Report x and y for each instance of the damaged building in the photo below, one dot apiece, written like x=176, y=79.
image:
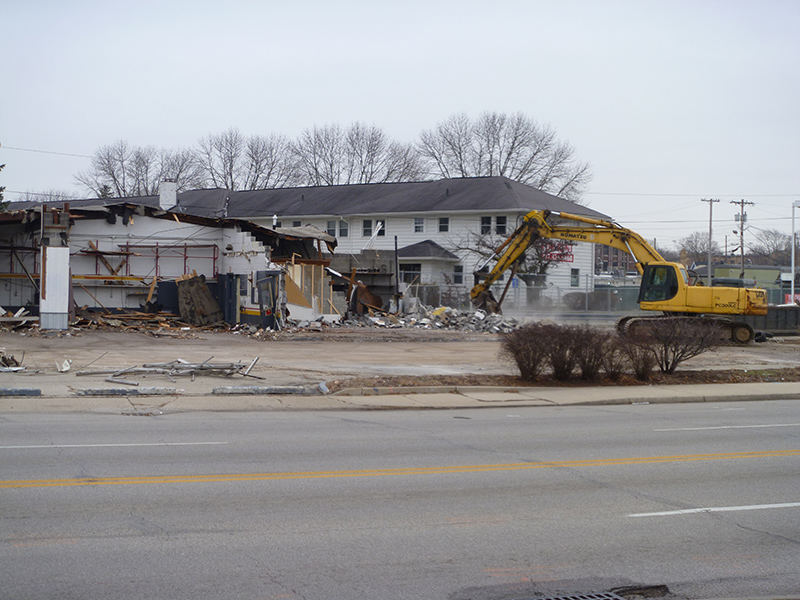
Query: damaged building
x=148, y=254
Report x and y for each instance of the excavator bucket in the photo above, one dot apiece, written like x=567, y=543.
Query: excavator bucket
x=486, y=302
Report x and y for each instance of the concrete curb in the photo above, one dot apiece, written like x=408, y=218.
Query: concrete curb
x=128, y=392
x=255, y=390
x=20, y=392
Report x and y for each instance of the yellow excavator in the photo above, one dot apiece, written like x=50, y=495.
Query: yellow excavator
x=666, y=286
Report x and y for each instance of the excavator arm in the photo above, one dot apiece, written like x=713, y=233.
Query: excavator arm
x=665, y=285
x=536, y=225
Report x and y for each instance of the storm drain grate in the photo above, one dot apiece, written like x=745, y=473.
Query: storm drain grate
x=600, y=596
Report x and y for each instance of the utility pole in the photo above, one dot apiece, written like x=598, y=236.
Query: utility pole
x=795, y=204
x=710, y=212
x=742, y=218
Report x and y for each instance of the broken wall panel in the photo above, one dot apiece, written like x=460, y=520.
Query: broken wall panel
x=55, y=288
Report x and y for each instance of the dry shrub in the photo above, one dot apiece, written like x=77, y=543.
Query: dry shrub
x=675, y=340
x=640, y=356
x=562, y=350
x=590, y=347
x=615, y=359
x=527, y=347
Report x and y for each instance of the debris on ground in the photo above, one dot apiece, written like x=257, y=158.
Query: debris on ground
x=423, y=317
x=176, y=368
x=8, y=363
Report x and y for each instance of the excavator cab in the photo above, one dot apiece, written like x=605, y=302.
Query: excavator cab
x=659, y=282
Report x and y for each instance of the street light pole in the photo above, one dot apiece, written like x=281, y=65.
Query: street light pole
x=795, y=204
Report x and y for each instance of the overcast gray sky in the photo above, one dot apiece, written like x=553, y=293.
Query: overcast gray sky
x=669, y=101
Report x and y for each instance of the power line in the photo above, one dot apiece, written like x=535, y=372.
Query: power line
x=691, y=195
x=43, y=151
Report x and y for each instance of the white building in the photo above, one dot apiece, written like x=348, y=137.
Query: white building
x=409, y=216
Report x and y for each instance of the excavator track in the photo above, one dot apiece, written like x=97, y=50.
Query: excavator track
x=740, y=333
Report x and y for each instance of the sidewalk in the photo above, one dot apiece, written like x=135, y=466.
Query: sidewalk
x=68, y=394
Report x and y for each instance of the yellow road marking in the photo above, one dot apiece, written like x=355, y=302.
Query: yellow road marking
x=600, y=462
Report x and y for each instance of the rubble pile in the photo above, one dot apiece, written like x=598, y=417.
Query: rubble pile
x=423, y=317
x=445, y=317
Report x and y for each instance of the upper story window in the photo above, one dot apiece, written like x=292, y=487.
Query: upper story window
x=444, y=224
x=458, y=274
x=419, y=225
x=330, y=228
x=367, y=229
x=344, y=229
x=500, y=225
x=297, y=223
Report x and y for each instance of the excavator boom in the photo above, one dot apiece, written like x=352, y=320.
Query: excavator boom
x=665, y=285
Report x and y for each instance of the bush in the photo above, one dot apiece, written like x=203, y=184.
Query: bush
x=668, y=341
x=528, y=348
x=639, y=356
x=591, y=345
x=562, y=346
x=615, y=359
x=674, y=340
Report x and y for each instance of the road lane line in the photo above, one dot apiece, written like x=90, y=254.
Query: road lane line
x=45, y=446
x=223, y=477
x=730, y=427
x=690, y=511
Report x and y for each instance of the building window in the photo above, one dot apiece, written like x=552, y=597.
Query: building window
x=366, y=228
x=380, y=225
x=278, y=224
x=419, y=225
x=574, y=277
x=458, y=274
x=344, y=229
x=330, y=229
x=243, y=285
x=486, y=225
x=410, y=272
x=297, y=224
x=500, y=225
x=444, y=224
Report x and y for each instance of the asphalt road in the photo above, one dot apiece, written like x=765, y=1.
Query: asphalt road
x=490, y=504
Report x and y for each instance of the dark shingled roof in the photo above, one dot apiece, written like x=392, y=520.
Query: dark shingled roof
x=444, y=195
x=426, y=249
x=472, y=194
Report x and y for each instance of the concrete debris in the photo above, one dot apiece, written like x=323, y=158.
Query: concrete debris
x=177, y=368
x=164, y=324
x=423, y=317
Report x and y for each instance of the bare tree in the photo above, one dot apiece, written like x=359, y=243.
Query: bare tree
x=512, y=146
x=320, y=154
x=270, y=163
x=533, y=266
x=222, y=158
x=110, y=167
x=121, y=171
x=772, y=246
x=696, y=246
x=329, y=155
